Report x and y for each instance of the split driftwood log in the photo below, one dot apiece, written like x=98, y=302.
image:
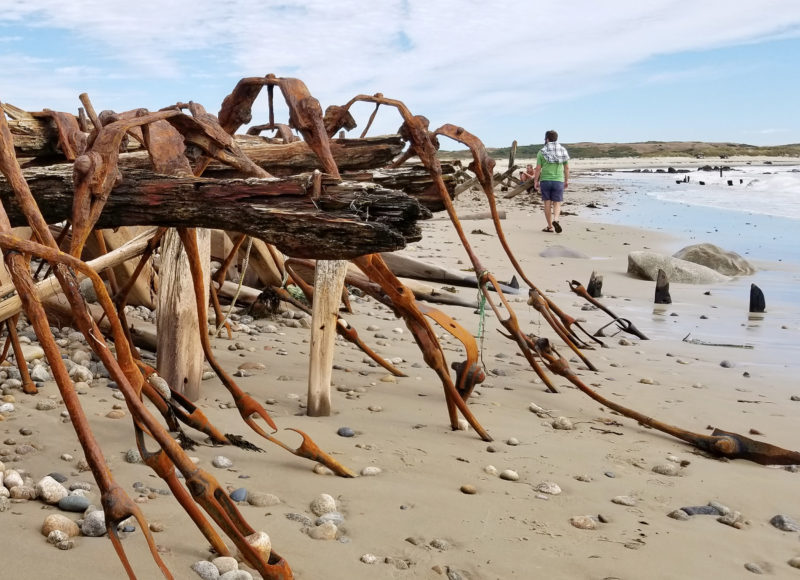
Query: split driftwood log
x=349, y=219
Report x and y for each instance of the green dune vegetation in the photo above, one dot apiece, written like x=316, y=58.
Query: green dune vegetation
x=695, y=149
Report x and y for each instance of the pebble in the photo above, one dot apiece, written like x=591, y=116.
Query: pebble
x=50, y=491
x=221, y=462
x=323, y=504
x=133, y=456
x=785, y=523
x=156, y=527
x=239, y=494
x=325, y=531
x=794, y=398
x=583, y=522
x=733, y=519
x=754, y=567
x=548, y=487
x=345, y=432
x=563, y=424
x=46, y=405
x=509, y=475
x=57, y=536
x=702, y=510
x=225, y=564
x=678, y=515
x=371, y=470
x=369, y=559
x=261, y=499
x=625, y=500
x=439, y=544
x=334, y=517
x=513, y=441
x=669, y=469
x=94, y=524
x=726, y=364
x=468, y=489
x=206, y=570
x=260, y=542
x=236, y=575
x=7, y=408
x=610, y=474
x=794, y=562
x=61, y=523
x=59, y=477
x=115, y=414
x=722, y=509
x=647, y=381
x=73, y=503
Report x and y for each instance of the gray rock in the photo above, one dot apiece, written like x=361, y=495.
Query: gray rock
x=645, y=265
x=239, y=494
x=222, y=462
x=719, y=260
x=785, y=523
x=73, y=503
x=206, y=570
x=702, y=510
x=94, y=524
x=236, y=575
x=345, y=432
x=335, y=517
x=133, y=456
x=40, y=374
x=50, y=491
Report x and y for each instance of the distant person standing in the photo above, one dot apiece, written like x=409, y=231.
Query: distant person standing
x=551, y=178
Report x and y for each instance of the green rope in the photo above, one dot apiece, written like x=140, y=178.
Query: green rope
x=481, y=313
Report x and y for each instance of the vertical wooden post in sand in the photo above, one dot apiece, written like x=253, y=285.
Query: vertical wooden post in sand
x=512, y=156
x=180, y=353
x=328, y=284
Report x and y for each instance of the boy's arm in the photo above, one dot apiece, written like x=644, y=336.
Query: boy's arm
x=566, y=175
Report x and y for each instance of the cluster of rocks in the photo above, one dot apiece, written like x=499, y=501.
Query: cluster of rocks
x=17, y=486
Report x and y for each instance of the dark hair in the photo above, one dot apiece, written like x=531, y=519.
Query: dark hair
x=551, y=136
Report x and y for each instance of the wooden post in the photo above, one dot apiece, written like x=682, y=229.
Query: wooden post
x=180, y=353
x=511, y=158
x=328, y=284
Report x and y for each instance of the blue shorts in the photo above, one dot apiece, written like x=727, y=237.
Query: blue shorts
x=552, y=190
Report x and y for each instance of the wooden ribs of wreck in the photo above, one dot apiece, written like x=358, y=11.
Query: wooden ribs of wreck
x=348, y=220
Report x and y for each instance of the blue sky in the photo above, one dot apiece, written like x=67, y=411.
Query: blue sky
x=612, y=71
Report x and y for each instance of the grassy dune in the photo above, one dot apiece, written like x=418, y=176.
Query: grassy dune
x=647, y=149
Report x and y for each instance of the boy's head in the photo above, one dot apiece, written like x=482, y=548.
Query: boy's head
x=551, y=136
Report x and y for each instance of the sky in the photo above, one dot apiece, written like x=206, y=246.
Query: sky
x=610, y=71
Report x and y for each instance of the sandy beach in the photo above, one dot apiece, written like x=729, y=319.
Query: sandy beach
x=413, y=516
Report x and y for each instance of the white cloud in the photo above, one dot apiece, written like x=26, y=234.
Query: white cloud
x=451, y=60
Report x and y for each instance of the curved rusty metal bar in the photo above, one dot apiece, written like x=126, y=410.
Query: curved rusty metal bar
x=730, y=445
x=246, y=404
x=405, y=305
x=425, y=146
x=623, y=323
x=305, y=114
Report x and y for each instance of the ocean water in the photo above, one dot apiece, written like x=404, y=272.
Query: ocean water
x=757, y=216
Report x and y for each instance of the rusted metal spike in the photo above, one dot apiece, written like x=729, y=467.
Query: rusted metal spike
x=624, y=324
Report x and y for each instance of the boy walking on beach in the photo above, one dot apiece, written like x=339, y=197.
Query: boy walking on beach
x=551, y=178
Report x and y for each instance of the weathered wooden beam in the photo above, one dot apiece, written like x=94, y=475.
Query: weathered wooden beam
x=328, y=283
x=413, y=180
x=180, y=352
x=48, y=287
x=348, y=220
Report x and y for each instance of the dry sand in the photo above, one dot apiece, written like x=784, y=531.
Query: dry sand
x=507, y=529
